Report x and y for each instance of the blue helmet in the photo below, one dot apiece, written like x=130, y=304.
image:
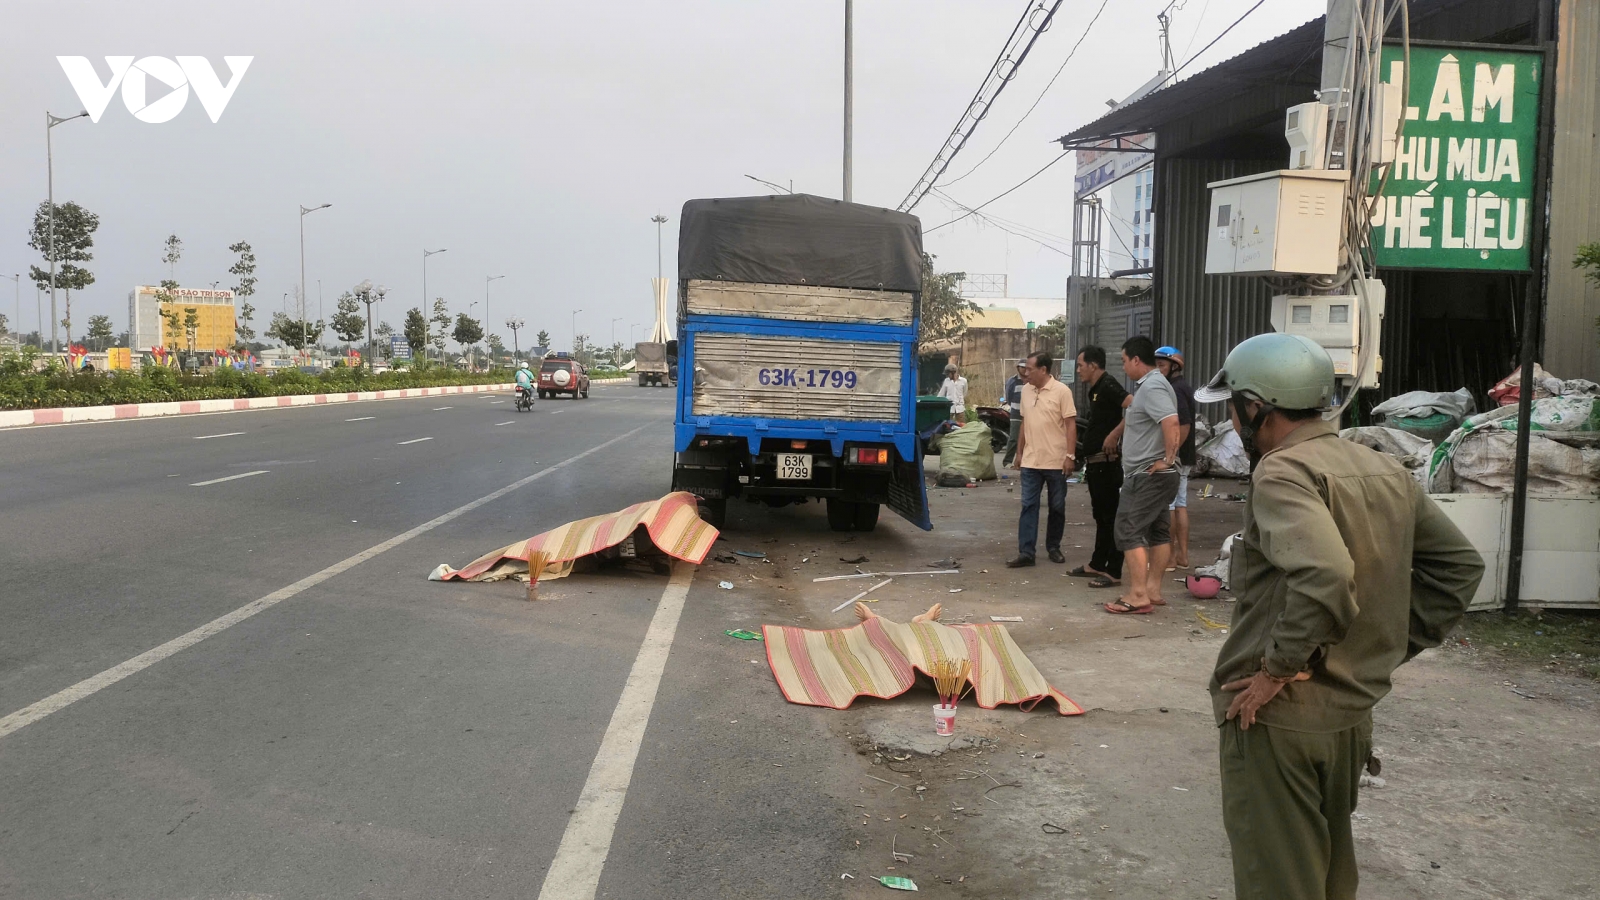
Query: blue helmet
x=1172, y=353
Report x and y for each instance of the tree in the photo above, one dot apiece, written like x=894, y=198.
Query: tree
x=348, y=322
x=581, y=351
x=173, y=320
x=74, y=237
x=543, y=340
x=100, y=333
x=1055, y=333
x=497, y=348
x=168, y=294
x=295, y=332
x=5, y=327
x=191, y=326
x=245, y=268
x=944, y=310
x=415, y=330
x=440, y=325
x=384, y=331
x=468, y=331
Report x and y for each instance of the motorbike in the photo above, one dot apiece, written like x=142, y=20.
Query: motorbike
x=524, y=401
x=999, y=421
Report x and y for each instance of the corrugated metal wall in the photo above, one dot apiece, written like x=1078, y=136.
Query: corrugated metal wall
x=1571, y=349
x=1119, y=321
x=1202, y=315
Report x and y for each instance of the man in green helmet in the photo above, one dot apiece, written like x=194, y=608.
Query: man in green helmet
x=1346, y=571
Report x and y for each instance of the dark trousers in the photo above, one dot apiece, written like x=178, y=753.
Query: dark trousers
x=1033, y=483
x=1287, y=798
x=1105, y=486
x=1011, y=440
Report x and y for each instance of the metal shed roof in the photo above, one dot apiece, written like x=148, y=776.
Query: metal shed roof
x=1269, y=63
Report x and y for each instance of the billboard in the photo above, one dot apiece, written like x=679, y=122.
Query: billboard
x=1104, y=162
x=1461, y=190
x=398, y=347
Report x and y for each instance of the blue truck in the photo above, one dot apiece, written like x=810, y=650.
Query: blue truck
x=797, y=327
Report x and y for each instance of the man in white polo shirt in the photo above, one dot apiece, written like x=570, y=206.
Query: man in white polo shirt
x=1046, y=451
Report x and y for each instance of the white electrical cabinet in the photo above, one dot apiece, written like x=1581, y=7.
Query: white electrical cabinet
x=1334, y=322
x=1276, y=223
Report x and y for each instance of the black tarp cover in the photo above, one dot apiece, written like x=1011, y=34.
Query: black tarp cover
x=800, y=239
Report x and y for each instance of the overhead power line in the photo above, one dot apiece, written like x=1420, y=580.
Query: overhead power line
x=1037, y=99
x=970, y=211
x=1208, y=46
x=1029, y=27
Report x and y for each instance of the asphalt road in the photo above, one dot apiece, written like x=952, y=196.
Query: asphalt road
x=373, y=734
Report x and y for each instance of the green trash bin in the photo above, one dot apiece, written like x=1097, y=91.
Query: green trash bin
x=931, y=410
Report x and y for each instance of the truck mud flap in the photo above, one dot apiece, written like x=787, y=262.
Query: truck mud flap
x=908, y=492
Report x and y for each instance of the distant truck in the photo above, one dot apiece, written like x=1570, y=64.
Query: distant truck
x=797, y=338
x=650, y=363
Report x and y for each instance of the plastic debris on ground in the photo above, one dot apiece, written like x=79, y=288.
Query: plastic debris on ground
x=1005, y=618
x=1220, y=569
x=897, y=882
x=725, y=585
x=743, y=635
x=1223, y=455
x=750, y=554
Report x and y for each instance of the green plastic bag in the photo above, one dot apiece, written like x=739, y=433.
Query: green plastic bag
x=967, y=450
x=898, y=883
x=743, y=635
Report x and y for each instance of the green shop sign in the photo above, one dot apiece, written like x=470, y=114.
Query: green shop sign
x=1460, y=194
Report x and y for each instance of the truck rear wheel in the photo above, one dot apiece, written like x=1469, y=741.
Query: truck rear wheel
x=866, y=516
x=841, y=514
x=714, y=512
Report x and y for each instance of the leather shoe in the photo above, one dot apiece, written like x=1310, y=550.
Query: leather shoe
x=1019, y=562
x=1056, y=557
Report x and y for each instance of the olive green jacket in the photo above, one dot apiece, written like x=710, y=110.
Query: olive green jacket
x=1346, y=570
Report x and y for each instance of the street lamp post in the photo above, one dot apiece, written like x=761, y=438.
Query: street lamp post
x=515, y=325
x=52, y=121
x=427, y=321
x=18, y=279
x=304, y=329
x=486, y=280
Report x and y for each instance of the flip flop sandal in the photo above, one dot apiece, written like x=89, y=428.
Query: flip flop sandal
x=1103, y=582
x=1158, y=602
x=1083, y=572
x=1123, y=608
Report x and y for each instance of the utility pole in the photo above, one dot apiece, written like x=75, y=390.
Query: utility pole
x=52, y=121
x=660, y=220
x=849, y=91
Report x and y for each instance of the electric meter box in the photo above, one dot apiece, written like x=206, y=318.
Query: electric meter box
x=1276, y=223
x=1334, y=322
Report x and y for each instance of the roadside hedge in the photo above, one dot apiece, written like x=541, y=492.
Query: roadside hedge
x=22, y=388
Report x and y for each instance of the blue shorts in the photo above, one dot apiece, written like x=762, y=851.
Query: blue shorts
x=1182, y=500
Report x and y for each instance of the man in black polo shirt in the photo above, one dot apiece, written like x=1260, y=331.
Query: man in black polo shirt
x=1102, y=472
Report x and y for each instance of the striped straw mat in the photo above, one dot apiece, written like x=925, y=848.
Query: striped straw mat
x=880, y=658
x=673, y=522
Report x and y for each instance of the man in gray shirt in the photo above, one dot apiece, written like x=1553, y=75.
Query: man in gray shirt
x=1150, y=442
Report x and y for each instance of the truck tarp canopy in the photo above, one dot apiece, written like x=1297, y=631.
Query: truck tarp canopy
x=800, y=239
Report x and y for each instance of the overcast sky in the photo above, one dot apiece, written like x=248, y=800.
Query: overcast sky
x=536, y=139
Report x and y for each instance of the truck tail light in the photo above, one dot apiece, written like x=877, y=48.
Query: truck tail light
x=797, y=445
x=869, y=456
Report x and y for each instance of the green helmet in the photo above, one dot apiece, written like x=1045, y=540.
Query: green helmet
x=1288, y=371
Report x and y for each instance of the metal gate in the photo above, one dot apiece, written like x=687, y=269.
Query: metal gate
x=1116, y=323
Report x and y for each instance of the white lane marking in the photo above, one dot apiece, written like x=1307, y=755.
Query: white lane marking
x=64, y=698
x=207, y=437
x=413, y=441
x=230, y=478
x=575, y=872
x=512, y=422
x=360, y=418
x=437, y=408
x=554, y=412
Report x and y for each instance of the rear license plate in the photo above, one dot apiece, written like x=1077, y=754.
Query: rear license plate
x=794, y=466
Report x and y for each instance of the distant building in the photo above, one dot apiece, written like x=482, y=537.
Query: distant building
x=148, y=330
x=1121, y=173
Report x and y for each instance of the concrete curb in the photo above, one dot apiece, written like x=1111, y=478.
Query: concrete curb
x=23, y=417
